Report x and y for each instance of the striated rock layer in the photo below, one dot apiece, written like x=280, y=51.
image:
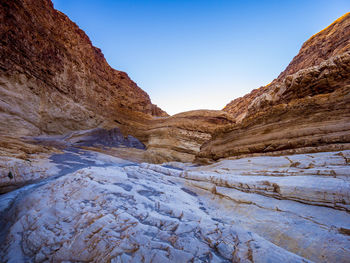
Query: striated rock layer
x=330, y=42
x=307, y=108
x=52, y=80
x=261, y=209
x=79, y=202
x=179, y=137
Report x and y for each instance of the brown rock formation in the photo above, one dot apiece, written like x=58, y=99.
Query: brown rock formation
x=329, y=43
x=52, y=80
x=179, y=137
x=305, y=109
x=175, y=138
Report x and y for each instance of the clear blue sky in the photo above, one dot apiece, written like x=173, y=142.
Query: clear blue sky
x=200, y=54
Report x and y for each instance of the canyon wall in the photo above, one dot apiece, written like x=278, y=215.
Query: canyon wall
x=328, y=43
x=306, y=109
x=91, y=193
x=179, y=137
x=53, y=80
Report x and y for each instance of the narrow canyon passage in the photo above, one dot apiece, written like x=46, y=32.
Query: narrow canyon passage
x=97, y=207
x=91, y=170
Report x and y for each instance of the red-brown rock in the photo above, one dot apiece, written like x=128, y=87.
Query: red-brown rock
x=53, y=80
x=305, y=109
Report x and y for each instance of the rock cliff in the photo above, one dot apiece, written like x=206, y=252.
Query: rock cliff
x=330, y=42
x=305, y=109
x=53, y=80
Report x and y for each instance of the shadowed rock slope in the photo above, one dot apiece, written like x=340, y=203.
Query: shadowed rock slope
x=53, y=80
x=307, y=108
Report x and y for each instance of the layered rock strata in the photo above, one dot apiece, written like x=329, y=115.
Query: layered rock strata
x=53, y=80
x=305, y=109
x=179, y=137
x=262, y=209
x=331, y=42
x=81, y=202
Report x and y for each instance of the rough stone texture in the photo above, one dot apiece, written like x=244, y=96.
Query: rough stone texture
x=52, y=80
x=261, y=209
x=179, y=137
x=87, y=204
x=16, y=172
x=330, y=42
x=98, y=137
x=22, y=162
x=311, y=124
x=28, y=160
x=305, y=109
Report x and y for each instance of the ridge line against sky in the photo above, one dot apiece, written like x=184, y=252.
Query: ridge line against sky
x=200, y=54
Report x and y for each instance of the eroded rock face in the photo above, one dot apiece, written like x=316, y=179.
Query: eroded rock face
x=81, y=202
x=262, y=209
x=328, y=45
x=179, y=137
x=305, y=109
x=52, y=80
x=311, y=124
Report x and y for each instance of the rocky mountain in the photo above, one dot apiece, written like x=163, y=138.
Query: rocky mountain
x=53, y=80
x=305, y=109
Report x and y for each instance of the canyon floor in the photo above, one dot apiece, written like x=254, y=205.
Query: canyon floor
x=92, y=206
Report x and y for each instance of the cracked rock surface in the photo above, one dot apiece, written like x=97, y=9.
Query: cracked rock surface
x=261, y=209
